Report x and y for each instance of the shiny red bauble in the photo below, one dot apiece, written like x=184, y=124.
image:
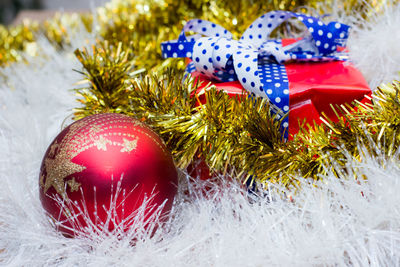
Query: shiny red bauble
x=101, y=171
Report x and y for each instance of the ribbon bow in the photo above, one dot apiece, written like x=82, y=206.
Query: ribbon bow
x=255, y=60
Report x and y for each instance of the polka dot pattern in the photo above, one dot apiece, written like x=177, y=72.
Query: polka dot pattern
x=203, y=50
x=245, y=68
x=262, y=27
x=203, y=27
x=274, y=78
x=255, y=60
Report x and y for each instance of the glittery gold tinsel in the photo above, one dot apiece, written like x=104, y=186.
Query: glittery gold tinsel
x=143, y=24
x=234, y=133
x=15, y=40
x=125, y=73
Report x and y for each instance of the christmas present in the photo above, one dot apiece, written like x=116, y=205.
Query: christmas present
x=305, y=76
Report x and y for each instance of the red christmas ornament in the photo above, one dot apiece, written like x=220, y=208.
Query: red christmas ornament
x=99, y=170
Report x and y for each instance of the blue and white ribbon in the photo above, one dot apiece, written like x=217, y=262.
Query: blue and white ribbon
x=255, y=60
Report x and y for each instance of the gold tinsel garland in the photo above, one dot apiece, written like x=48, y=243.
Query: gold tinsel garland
x=227, y=133
x=234, y=133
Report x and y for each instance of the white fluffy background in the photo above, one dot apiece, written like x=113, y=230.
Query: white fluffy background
x=336, y=223
x=374, y=44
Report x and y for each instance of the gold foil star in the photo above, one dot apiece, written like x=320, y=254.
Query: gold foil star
x=73, y=185
x=128, y=146
x=59, y=168
x=101, y=143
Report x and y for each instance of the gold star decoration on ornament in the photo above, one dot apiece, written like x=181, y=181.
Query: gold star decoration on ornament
x=59, y=168
x=101, y=143
x=73, y=185
x=128, y=146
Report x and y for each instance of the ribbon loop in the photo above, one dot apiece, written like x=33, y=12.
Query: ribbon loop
x=326, y=37
x=259, y=31
x=203, y=27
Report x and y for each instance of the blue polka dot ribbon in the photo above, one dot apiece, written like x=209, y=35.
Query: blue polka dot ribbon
x=255, y=60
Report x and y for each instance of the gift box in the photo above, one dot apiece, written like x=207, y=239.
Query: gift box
x=303, y=77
